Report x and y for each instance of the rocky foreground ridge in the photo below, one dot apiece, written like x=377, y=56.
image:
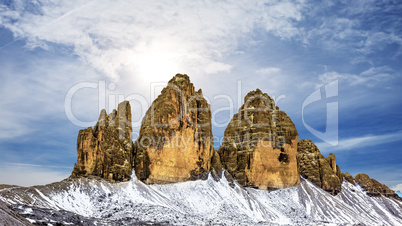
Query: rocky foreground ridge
x=260, y=148
x=95, y=201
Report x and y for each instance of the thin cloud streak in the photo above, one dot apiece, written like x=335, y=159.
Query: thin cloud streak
x=34, y=165
x=25, y=175
x=363, y=141
x=371, y=77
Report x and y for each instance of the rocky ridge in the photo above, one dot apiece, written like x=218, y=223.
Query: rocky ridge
x=260, y=146
x=9, y=217
x=94, y=201
x=372, y=186
x=326, y=174
x=321, y=171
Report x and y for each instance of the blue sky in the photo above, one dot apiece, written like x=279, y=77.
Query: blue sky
x=53, y=52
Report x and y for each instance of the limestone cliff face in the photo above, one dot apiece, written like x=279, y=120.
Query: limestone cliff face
x=260, y=144
x=175, y=142
x=321, y=171
x=373, y=187
x=106, y=149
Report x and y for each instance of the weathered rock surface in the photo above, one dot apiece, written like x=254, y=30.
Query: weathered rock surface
x=175, y=142
x=332, y=162
x=324, y=172
x=373, y=187
x=321, y=171
x=106, y=149
x=260, y=144
x=349, y=178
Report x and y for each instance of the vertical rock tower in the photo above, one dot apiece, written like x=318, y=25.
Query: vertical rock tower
x=175, y=142
x=106, y=149
x=332, y=162
x=260, y=144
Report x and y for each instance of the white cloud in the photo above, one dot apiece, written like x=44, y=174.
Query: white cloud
x=359, y=27
x=112, y=36
x=277, y=17
x=360, y=142
x=397, y=187
x=36, y=93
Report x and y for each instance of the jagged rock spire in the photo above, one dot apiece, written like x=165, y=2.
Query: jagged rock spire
x=106, y=149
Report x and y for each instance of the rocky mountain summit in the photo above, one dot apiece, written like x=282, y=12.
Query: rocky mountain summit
x=260, y=144
x=175, y=142
x=107, y=149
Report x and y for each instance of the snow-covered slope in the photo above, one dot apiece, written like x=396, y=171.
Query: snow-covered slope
x=90, y=201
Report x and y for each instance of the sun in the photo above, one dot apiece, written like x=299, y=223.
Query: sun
x=155, y=63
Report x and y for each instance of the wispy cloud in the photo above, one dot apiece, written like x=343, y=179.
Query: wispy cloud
x=359, y=28
x=268, y=70
x=361, y=142
x=371, y=77
x=113, y=36
x=35, y=93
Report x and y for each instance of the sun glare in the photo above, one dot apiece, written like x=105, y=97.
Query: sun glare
x=155, y=63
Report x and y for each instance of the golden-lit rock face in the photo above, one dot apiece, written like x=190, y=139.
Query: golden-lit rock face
x=260, y=144
x=266, y=171
x=175, y=142
x=106, y=149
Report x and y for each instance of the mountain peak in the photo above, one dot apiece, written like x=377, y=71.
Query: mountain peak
x=257, y=98
x=106, y=150
x=179, y=78
x=175, y=142
x=260, y=144
x=181, y=83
